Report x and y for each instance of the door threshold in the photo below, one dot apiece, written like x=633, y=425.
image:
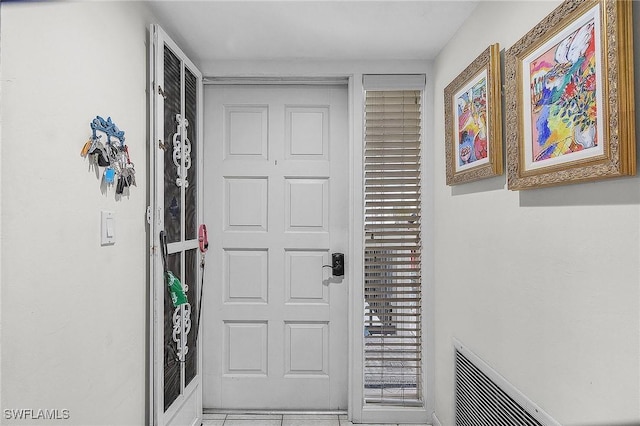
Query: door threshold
x=274, y=412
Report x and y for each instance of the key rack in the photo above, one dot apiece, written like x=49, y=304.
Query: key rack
x=109, y=128
x=112, y=155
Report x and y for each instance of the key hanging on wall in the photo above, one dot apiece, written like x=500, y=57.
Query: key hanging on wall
x=113, y=154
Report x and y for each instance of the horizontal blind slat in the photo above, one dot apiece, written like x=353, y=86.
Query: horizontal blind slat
x=381, y=251
x=382, y=181
x=393, y=138
x=391, y=263
x=389, y=167
x=402, y=108
x=399, y=189
x=386, y=285
x=384, y=174
x=374, y=226
x=393, y=145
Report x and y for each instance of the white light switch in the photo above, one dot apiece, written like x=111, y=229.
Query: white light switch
x=107, y=228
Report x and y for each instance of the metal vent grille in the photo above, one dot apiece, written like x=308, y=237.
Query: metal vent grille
x=480, y=401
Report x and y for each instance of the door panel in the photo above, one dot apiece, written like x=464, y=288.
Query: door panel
x=275, y=326
x=171, y=365
x=191, y=275
x=191, y=88
x=172, y=102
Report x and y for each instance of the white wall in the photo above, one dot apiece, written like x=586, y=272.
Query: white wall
x=73, y=312
x=543, y=284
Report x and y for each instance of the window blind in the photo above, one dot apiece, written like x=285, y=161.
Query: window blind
x=392, y=249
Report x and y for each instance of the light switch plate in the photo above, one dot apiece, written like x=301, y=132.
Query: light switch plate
x=107, y=228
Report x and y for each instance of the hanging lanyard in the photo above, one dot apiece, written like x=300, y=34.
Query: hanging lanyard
x=203, y=240
x=163, y=250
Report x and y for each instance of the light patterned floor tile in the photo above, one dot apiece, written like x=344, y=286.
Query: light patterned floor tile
x=254, y=416
x=311, y=422
x=310, y=416
x=348, y=423
x=254, y=422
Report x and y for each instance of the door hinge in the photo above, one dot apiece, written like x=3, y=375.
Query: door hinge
x=161, y=145
x=149, y=215
x=161, y=92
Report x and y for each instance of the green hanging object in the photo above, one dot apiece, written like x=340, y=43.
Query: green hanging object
x=175, y=287
x=178, y=296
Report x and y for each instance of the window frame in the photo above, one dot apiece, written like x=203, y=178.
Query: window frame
x=358, y=411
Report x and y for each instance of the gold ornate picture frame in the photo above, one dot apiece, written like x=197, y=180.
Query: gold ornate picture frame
x=569, y=97
x=473, y=121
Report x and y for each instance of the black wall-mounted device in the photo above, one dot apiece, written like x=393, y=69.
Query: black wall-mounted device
x=337, y=264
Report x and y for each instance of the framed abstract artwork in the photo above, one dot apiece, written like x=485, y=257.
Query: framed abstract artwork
x=569, y=99
x=473, y=121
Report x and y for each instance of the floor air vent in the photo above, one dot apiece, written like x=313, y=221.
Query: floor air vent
x=484, y=398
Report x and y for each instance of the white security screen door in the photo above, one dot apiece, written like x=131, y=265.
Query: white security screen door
x=275, y=319
x=176, y=182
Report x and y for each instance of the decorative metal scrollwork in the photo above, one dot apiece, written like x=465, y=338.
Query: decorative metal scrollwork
x=180, y=317
x=181, y=151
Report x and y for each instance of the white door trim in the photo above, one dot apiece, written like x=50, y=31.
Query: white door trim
x=354, y=258
x=356, y=244
x=263, y=81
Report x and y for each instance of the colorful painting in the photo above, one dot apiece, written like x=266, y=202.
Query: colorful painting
x=473, y=120
x=569, y=97
x=563, y=96
x=472, y=123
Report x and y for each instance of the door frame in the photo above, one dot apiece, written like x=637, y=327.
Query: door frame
x=155, y=221
x=354, y=268
x=355, y=260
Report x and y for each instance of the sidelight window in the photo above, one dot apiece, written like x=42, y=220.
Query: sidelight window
x=392, y=248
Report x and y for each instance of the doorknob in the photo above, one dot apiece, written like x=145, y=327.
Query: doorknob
x=337, y=264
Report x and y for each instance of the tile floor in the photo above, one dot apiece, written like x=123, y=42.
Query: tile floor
x=235, y=419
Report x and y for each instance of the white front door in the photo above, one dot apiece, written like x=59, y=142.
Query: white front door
x=276, y=201
x=176, y=182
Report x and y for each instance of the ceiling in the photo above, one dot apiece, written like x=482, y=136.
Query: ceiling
x=311, y=30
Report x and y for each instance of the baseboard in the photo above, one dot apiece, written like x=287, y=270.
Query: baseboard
x=273, y=412
x=436, y=422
